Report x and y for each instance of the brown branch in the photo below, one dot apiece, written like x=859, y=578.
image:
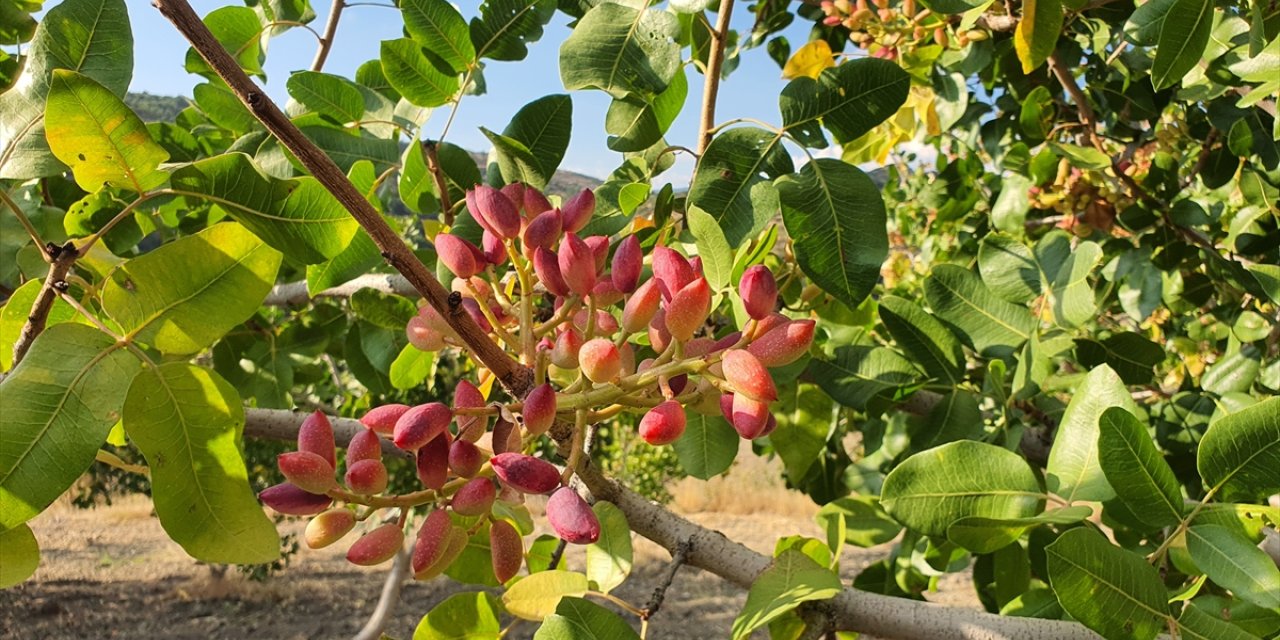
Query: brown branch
x=852, y=610
x=61, y=260
x=517, y=379
x=678, y=558
x=372, y=630
x=715, y=61
x=326, y=39
x=431, y=154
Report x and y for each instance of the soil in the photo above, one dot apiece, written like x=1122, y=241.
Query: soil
x=112, y=572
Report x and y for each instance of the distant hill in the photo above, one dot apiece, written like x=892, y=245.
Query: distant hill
x=153, y=108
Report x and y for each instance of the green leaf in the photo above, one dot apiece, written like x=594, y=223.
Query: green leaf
x=440, y=29
x=924, y=339
x=578, y=619
x=223, y=108
x=329, y=95
x=956, y=416
x=185, y=295
x=537, y=596
x=418, y=187
x=730, y=182
x=609, y=558
x=859, y=373
x=990, y=324
x=1143, y=27
x=1009, y=211
x=1110, y=590
x=1008, y=267
x=621, y=50
x=100, y=138
x=59, y=403
x=1131, y=355
x=713, y=248
x=1233, y=562
x=1234, y=373
x=1133, y=466
x=708, y=446
x=92, y=37
x=806, y=418
x=1184, y=34
x=298, y=217
x=1195, y=624
x=836, y=219
x=1072, y=297
x=933, y=489
x=189, y=422
x=346, y=149
x=360, y=257
x=506, y=27
x=542, y=128
x=462, y=616
x=19, y=555
x=849, y=100
x=1073, y=471
x=1082, y=157
x=1240, y=453
x=792, y=579
x=866, y=523
x=1268, y=277
x=412, y=367
x=987, y=535
x=634, y=124
x=1037, y=32
x=515, y=162
x=239, y=30
x=415, y=75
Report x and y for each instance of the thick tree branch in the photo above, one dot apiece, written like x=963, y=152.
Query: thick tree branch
x=372, y=630
x=516, y=378
x=715, y=61
x=326, y=39
x=852, y=610
x=62, y=259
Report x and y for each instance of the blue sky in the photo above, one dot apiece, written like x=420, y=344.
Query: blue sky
x=751, y=91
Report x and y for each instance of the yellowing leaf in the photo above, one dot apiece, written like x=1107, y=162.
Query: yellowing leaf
x=1037, y=32
x=809, y=61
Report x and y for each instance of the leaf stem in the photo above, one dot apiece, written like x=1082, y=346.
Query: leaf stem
x=26, y=224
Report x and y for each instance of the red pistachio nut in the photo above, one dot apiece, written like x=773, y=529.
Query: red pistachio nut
x=498, y=210
x=291, y=500
x=307, y=470
x=421, y=424
x=663, y=424
x=460, y=256
x=759, y=291
x=467, y=396
x=465, y=458
x=365, y=445
x=571, y=517
x=671, y=270
x=543, y=231
x=600, y=360
x=367, y=477
x=539, y=409
x=432, y=463
x=577, y=264
x=577, y=211
x=784, y=344
x=315, y=435
x=641, y=307
x=688, y=309
x=328, y=528
x=506, y=550
x=422, y=336
x=565, y=352
x=383, y=419
x=628, y=260
x=377, y=546
x=547, y=266
x=475, y=498
x=525, y=473
x=748, y=376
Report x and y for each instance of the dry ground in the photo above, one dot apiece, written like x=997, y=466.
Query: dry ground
x=112, y=573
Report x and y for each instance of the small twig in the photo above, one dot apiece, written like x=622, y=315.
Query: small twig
x=62, y=259
x=660, y=592
x=557, y=554
x=372, y=629
x=715, y=60
x=432, y=156
x=113, y=460
x=26, y=222
x=326, y=40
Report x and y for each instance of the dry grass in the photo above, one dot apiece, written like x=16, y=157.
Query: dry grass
x=754, y=485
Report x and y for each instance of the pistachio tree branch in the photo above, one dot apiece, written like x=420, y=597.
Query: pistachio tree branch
x=296, y=293
x=61, y=260
x=372, y=630
x=852, y=610
x=516, y=378
x=715, y=61
x=326, y=39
